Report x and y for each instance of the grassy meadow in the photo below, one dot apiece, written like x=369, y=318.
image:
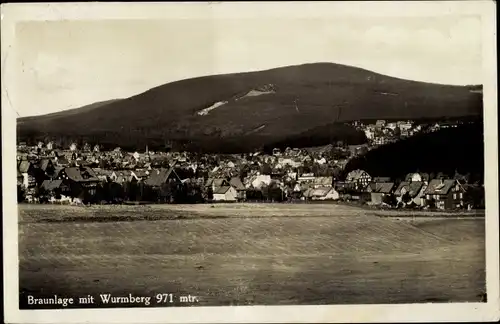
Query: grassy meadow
x=242, y=254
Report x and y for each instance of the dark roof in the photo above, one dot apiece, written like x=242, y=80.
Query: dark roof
x=51, y=184
x=159, y=177
x=222, y=190
x=381, y=179
x=381, y=187
x=413, y=187
x=44, y=164
x=57, y=170
x=24, y=166
x=236, y=183
x=439, y=187
x=81, y=174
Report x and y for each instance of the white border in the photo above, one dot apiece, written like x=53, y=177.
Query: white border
x=458, y=312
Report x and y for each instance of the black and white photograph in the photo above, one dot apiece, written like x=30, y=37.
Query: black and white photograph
x=195, y=162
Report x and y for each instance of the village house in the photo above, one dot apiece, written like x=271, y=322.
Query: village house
x=370, y=134
x=120, y=176
x=410, y=192
x=382, y=140
x=236, y=183
x=260, y=180
x=82, y=181
x=225, y=193
x=379, y=191
x=57, y=190
x=324, y=193
x=163, y=184
x=216, y=184
x=46, y=166
x=445, y=194
x=346, y=190
x=159, y=177
x=359, y=178
x=26, y=169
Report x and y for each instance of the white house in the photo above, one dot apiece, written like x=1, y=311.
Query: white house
x=225, y=193
x=369, y=134
x=261, y=179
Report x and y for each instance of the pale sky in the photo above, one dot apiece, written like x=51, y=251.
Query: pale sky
x=68, y=64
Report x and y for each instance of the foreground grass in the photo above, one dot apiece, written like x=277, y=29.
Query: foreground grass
x=104, y=213
x=343, y=255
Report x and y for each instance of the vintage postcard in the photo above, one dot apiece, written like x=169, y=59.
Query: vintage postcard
x=260, y=162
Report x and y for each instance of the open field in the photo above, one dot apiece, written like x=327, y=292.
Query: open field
x=237, y=255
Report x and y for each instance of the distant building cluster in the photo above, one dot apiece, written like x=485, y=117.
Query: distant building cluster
x=382, y=132
x=90, y=175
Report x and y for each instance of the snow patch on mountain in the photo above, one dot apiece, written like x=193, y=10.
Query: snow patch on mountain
x=205, y=111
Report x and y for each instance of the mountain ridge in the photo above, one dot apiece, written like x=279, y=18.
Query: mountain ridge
x=304, y=97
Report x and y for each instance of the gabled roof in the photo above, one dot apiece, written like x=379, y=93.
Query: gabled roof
x=44, y=163
x=159, y=177
x=81, y=174
x=57, y=171
x=51, y=184
x=236, y=183
x=219, y=182
x=222, y=190
x=356, y=174
x=321, y=191
x=381, y=187
x=413, y=188
x=308, y=193
x=439, y=187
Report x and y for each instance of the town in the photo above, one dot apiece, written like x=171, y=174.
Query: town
x=90, y=175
